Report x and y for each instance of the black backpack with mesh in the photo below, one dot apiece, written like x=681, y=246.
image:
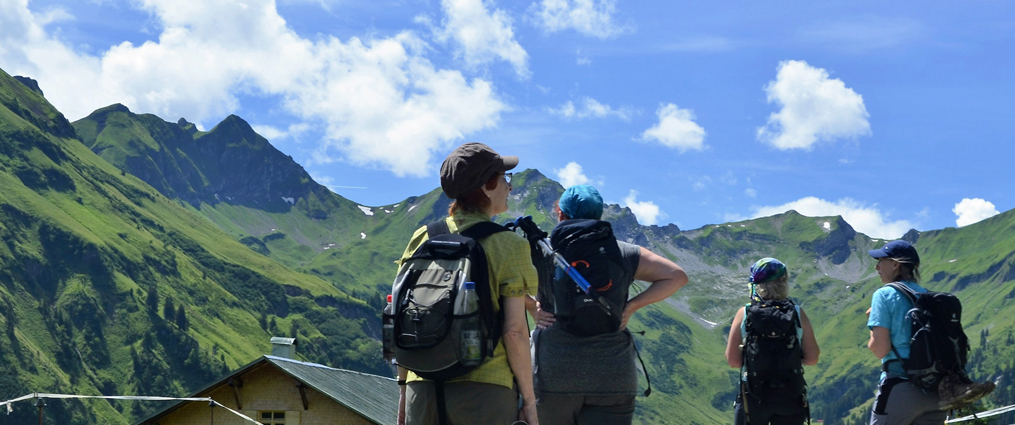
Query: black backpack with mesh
x=591, y=248
x=938, y=346
x=773, y=352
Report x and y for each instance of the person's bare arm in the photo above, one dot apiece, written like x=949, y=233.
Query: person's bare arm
x=516, y=342
x=810, y=344
x=665, y=278
x=735, y=354
x=881, y=342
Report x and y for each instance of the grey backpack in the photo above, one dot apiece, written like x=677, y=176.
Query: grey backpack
x=427, y=332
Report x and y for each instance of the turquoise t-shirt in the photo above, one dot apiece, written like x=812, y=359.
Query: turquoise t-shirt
x=888, y=310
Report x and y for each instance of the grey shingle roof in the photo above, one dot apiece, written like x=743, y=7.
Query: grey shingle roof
x=374, y=397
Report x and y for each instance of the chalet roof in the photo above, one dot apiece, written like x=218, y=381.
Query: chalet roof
x=372, y=396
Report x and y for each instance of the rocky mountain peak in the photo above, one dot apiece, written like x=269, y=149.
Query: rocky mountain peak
x=23, y=97
x=30, y=83
x=187, y=126
x=911, y=236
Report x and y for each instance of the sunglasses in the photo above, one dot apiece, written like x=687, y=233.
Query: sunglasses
x=507, y=177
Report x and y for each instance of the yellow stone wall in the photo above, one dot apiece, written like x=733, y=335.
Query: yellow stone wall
x=264, y=388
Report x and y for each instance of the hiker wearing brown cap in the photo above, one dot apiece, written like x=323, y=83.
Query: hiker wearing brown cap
x=477, y=181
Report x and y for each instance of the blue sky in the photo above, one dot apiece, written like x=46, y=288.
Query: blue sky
x=892, y=114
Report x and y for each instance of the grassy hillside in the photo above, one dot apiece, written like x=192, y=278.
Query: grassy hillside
x=109, y=287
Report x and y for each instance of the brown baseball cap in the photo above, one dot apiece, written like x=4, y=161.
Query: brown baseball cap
x=470, y=166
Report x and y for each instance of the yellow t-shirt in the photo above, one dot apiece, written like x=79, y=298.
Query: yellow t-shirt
x=511, y=275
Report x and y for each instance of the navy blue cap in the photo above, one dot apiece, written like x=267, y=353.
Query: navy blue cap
x=581, y=201
x=900, y=251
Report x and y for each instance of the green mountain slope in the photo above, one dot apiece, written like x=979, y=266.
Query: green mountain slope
x=230, y=175
x=109, y=287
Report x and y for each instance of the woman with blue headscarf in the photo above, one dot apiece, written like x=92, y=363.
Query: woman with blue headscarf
x=770, y=340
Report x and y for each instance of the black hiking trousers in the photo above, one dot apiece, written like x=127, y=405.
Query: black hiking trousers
x=790, y=412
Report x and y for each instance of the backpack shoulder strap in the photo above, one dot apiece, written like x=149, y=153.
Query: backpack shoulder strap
x=481, y=272
x=911, y=296
x=439, y=227
x=482, y=229
x=904, y=290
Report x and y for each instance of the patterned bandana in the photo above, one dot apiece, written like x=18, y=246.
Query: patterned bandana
x=766, y=269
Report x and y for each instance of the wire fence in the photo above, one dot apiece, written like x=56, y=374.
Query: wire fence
x=42, y=396
x=984, y=414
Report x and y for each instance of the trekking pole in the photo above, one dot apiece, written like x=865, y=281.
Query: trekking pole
x=534, y=233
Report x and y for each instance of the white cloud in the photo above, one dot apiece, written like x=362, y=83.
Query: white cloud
x=646, y=212
x=269, y=132
x=482, y=36
x=590, y=108
x=701, y=183
x=571, y=175
x=593, y=18
x=751, y=192
x=700, y=44
x=273, y=133
x=868, y=220
x=378, y=102
x=729, y=178
x=55, y=14
x=583, y=59
x=676, y=129
x=864, y=34
x=973, y=210
x=814, y=108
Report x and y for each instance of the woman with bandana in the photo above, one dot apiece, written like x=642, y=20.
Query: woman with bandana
x=768, y=393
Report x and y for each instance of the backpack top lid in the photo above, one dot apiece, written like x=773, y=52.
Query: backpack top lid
x=771, y=319
x=569, y=231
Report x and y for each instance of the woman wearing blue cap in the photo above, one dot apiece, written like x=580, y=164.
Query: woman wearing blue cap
x=897, y=402
x=770, y=340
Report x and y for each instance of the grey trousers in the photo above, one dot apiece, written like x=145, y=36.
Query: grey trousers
x=585, y=409
x=898, y=402
x=468, y=403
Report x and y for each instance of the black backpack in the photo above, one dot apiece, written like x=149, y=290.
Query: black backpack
x=938, y=346
x=773, y=353
x=590, y=247
x=427, y=333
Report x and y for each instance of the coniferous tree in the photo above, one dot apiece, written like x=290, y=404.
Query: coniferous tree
x=152, y=300
x=169, y=309
x=181, y=319
x=263, y=321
